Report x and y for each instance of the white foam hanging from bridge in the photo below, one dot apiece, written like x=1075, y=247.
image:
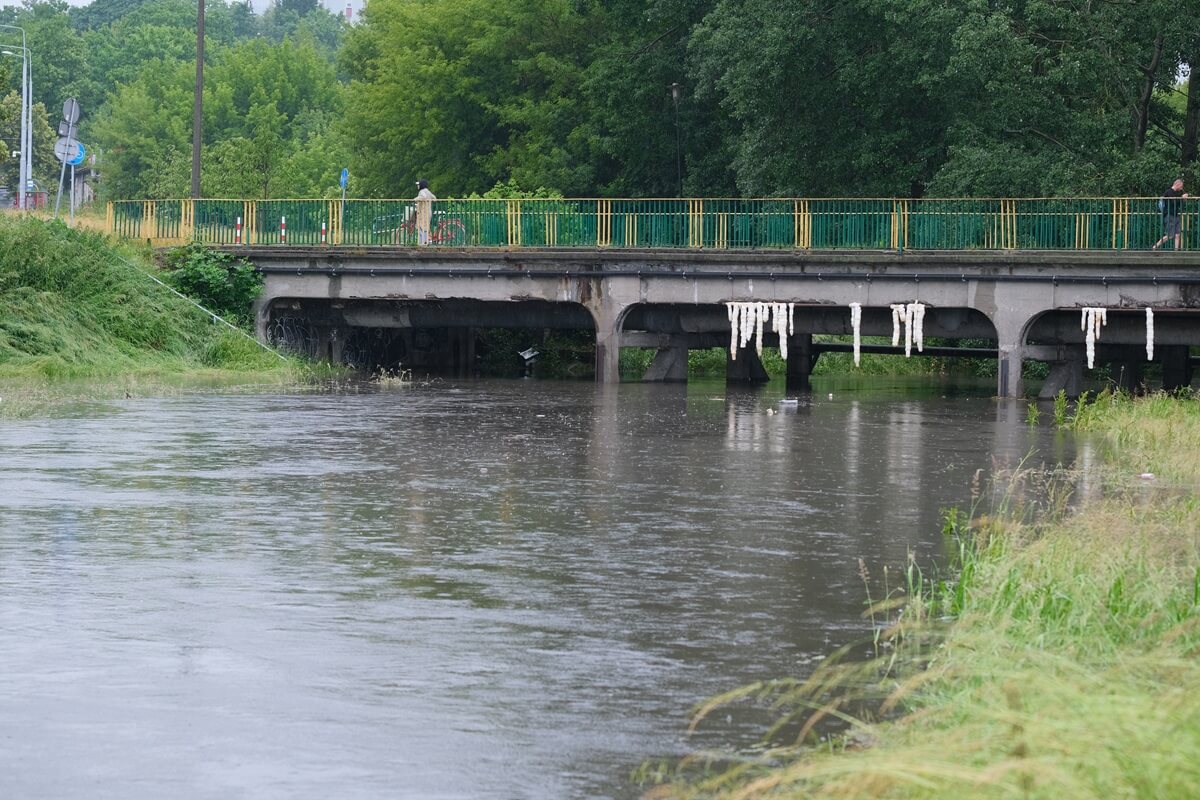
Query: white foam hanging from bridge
x=1149, y=333
x=913, y=317
x=856, y=325
x=747, y=320
x=1090, y=323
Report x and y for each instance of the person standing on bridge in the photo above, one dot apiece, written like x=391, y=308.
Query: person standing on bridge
x=1170, y=206
x=424, y=200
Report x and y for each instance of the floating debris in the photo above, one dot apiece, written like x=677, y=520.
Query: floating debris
x=856, y=325
x=1149, y=333
x=747, y=320
x=1090, y=323
x=913, y=317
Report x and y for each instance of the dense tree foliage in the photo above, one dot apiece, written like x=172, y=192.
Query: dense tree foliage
x=771, y=97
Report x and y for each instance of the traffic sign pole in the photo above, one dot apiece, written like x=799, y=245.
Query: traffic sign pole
x=70, y=116
x=342, y=211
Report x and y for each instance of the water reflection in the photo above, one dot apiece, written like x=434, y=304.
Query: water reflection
x=501, y=589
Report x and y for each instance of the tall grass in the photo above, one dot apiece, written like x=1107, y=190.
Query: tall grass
x=74, y=304
x=1060, y=661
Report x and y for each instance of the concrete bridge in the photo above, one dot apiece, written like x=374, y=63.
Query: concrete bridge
x=424, y=302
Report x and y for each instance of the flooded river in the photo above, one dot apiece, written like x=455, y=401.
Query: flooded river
x=476, y=590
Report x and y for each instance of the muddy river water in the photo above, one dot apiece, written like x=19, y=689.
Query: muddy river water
x=506, y=589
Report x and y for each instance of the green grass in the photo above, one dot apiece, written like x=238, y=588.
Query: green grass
x=75, y=305
x=1060, y=662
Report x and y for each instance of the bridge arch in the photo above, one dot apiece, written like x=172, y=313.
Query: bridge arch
x=436, y=334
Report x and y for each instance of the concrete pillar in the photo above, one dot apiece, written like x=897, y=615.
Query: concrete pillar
x=800, y=362
x=262, y=314
x=1177, y=366
x=1127, y=374
x=747, y=368
x=1010, y=342
x=1066, y=375
x=607, y=314
x=329, y=342
x=462, y=352
x=670, y=364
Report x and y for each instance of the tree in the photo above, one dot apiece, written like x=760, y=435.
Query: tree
x=45, y=165
x=488, y=90
x=262, y=104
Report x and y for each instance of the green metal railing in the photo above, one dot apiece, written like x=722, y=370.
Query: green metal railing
x=1102, y=223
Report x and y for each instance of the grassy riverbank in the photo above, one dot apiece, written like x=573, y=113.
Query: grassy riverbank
x=1061, y=663
x=81, y=317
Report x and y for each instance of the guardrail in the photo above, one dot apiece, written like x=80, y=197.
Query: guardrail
x=1103, y=223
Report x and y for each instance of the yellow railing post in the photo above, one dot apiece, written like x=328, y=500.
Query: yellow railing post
x=186, y=224
x=695, y=223
x=251, y=222
x=603, y=223
x=110, y=219
x=551, y=229
x=803, y=224
x=1006, y=226
x=149, y=220
x=899, y=225
x=514, y=222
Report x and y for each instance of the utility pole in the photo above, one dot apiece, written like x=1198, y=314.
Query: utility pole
x=198, y=106
x=25, y=169
x=676, y=91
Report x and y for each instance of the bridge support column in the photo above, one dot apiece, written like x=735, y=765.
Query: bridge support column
x=1066, y=375
x=748, y=368
x=262, y=315
x=1011, y=318
x=330, y=342
x=607, y=314
x=800, y=363
x=1008, y=375
x=670, y=363
x=1177, y=366
x=1127, y=373
x=462, y=352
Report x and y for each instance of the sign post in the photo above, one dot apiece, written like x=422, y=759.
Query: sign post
x=70, y=117
x=342, y=210
x=74, y=162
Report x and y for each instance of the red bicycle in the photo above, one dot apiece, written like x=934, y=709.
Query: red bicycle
x=445, y=230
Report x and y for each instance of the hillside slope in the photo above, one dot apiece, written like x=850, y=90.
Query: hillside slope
x=75, y=304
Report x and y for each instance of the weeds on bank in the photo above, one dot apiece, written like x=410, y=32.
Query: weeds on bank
x=1058, y=662
x=75, y=304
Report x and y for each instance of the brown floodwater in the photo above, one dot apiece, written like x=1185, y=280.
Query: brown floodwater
x=492, y=589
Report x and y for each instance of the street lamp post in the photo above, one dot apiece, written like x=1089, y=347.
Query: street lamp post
x=198, y=100
x=676, y=91
x=26, y=166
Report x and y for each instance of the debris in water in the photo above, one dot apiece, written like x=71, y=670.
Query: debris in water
x=1149, y=333
x=1090, y=323
x=856, y=325
x=913, y=317
x=747, y=320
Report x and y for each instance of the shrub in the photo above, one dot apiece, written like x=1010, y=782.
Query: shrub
x=219, y=281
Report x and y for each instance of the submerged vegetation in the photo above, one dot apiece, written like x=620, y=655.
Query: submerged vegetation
x=1059, y=663
x=73, y=305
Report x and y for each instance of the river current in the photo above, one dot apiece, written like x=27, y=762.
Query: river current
x=491, y=589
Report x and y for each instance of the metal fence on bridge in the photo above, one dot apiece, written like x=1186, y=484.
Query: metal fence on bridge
x=1104, y=223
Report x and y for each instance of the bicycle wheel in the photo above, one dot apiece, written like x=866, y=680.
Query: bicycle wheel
x=452, y=232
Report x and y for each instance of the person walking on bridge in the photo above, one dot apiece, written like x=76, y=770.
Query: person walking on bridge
x=1171, y=209
x=424, y=200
